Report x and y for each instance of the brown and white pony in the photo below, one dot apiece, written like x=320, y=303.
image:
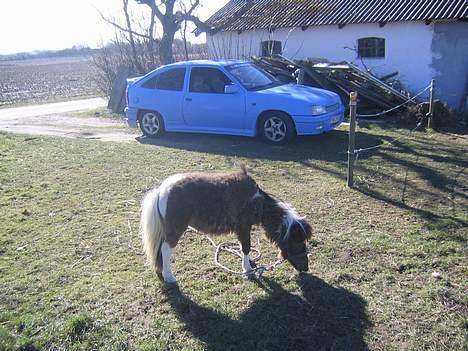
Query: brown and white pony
x=218, y=203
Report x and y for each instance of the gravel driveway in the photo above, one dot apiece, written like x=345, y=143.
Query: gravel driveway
x=55, y=119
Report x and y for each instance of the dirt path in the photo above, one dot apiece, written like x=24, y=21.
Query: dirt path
x=54, y=119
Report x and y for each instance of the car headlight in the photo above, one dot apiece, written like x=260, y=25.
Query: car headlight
x=318, y=110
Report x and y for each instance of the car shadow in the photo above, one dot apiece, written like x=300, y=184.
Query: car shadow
x=316, y=317
x=329, y=146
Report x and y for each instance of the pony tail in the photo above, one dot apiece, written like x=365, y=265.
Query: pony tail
x=152, y=230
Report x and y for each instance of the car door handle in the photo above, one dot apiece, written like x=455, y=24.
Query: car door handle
x=188, y=99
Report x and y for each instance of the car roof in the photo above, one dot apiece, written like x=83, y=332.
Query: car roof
x=205, y=62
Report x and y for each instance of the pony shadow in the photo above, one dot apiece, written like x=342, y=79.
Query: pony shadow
x=317, y=317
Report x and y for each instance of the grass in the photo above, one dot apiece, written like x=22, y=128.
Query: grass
x=388, y=265
x=102, y=112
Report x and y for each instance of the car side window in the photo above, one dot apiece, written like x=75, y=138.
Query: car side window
x=208, y=80
x=172, y=79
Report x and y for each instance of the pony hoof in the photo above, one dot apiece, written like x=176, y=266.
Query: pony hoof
x=250, y=275
x=170, y=279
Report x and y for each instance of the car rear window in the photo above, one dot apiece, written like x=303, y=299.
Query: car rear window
x=172, y=79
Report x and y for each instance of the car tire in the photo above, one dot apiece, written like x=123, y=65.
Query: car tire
x=151, y=124
x=276, y=128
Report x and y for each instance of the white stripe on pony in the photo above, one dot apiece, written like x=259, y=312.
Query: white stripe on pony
x=158, y=253
x=290, y=218
x=164, y=190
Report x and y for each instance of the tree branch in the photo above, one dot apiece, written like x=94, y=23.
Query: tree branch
x=123, y=29
x=154, y=8
x=135, y=59
x=193, y=6
x=201, y=26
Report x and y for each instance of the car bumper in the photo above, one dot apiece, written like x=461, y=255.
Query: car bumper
x=132, y=116
x=310, y=125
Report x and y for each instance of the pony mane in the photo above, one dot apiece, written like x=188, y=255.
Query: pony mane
x=290, y=217
x=277, y=219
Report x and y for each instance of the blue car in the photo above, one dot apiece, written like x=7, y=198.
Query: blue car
x=228, y=97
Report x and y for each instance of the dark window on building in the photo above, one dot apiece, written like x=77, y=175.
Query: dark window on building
x=371, y=47
x=208, y=80
x=172, y=79
x=271, y=47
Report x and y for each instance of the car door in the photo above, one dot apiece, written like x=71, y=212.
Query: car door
x=207, y=107
x=163, y=92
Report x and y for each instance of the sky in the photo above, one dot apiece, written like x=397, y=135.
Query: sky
x=59, y=24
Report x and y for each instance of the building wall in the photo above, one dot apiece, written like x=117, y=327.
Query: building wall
x=407, y=46
x=450, y=61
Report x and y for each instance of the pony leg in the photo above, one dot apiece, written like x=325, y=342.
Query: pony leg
x=244, y=238
x=166, y=252
x=246, y=266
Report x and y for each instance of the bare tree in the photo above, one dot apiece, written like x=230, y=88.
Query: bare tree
x=130, y=36
x=172, y=14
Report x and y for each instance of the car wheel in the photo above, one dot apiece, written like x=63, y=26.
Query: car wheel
x=151, y=124
x=277, y=128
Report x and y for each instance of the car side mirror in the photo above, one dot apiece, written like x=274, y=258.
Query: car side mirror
x=231, y=89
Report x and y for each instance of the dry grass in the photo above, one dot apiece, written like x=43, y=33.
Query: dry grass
x=72, y=275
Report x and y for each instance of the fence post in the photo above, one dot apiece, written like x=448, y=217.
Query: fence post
x=352, y=130
x=430, y=120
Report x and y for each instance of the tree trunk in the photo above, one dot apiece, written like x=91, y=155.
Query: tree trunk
x=184, y=36
x=151, y=39
x=165, y=45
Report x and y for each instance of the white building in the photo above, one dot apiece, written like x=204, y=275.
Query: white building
x=421, y=39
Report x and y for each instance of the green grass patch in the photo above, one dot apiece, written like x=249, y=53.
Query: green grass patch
x=77, y=325
x=387, y=270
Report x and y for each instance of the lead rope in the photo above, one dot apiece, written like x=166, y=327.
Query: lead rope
x=235, y=249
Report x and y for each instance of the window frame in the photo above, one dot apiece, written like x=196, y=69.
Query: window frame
x=152, y=82
x=194, y=68
x=271, y=50
x=371, y=47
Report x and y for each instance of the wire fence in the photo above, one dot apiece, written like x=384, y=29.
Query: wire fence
x=398, y=106
x=390, y=142
x=353, y=153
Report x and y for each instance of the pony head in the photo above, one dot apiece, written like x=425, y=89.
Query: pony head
x=293, y=247
x=284, y=227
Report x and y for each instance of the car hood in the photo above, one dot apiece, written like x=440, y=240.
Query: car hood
x=307, y=94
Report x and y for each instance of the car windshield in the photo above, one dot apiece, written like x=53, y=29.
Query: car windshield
x=252, y=77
